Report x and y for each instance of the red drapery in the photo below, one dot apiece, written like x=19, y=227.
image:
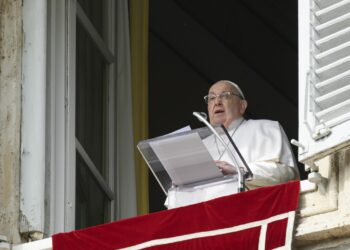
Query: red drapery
x=232, y=222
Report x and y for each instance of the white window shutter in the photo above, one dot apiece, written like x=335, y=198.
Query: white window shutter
x=324, y=77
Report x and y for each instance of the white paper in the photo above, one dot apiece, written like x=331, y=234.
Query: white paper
x=184, y=129
x=186, y=159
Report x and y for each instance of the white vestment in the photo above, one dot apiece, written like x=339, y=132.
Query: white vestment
x=265, y=148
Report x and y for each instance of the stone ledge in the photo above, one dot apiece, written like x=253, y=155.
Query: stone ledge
x=312, y=230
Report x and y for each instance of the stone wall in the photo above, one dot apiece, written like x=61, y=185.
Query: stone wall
x=10, y=116
x=323, y=221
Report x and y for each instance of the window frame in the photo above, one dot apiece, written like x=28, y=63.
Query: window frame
x=106, y=48
x=316, y=141
x=60, y=134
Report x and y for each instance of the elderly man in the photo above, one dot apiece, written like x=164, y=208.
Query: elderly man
x=263, y=143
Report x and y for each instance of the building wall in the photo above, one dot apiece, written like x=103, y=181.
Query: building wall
x=10, y=116
x=323, y=221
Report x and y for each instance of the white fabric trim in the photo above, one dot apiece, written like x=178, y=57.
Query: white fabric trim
x=289, y=232
x=233, y=229
x=262, y=237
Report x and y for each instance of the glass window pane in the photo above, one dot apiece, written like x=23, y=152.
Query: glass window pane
x=91, y=202
x=94, y=10
x=90, y=99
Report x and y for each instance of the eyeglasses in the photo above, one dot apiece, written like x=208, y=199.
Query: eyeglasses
x=223, y=96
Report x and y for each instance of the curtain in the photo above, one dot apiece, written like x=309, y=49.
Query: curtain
x=139, y=77
x=125, y=150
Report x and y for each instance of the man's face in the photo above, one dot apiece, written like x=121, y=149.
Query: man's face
x=225, y=110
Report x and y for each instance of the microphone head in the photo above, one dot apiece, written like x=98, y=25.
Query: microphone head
x=205, y=116
x=201, y=116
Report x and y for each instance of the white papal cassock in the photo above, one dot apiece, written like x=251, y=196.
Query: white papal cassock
x=264, y=146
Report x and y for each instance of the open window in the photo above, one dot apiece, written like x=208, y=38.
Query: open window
x=88, y=116
x=69, y=115
x=324, y=104
x=324, y=74
x=94, y=121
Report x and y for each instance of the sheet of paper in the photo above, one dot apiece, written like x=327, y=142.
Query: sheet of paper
x=184, y=129
x=186, y=159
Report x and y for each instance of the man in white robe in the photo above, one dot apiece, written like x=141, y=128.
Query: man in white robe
x=262, y=143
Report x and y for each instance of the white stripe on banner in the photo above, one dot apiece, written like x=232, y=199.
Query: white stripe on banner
x=222, y=231
x=262, y=237
x=289, y=233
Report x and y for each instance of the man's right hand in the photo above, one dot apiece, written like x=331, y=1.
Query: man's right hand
x=225, y=167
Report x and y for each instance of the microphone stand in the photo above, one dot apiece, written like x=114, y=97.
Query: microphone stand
x=239, y=173
x=250, y=173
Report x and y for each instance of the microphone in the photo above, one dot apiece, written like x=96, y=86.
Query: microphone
x=202, y=119
x=239, y=173
x=204, y=115
x=249, y=174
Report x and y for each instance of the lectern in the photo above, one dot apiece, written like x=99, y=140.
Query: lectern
x=184, y=165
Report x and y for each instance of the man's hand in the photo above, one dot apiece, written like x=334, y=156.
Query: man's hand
x=225, y=167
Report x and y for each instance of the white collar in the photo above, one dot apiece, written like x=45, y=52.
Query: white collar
x=236, y=123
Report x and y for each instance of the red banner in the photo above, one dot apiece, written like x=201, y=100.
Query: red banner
x=258, y=219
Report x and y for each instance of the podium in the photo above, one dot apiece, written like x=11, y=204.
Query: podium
x=183, y=163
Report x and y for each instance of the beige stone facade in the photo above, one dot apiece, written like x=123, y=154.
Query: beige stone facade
x=324, y=216
x=10, y=114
